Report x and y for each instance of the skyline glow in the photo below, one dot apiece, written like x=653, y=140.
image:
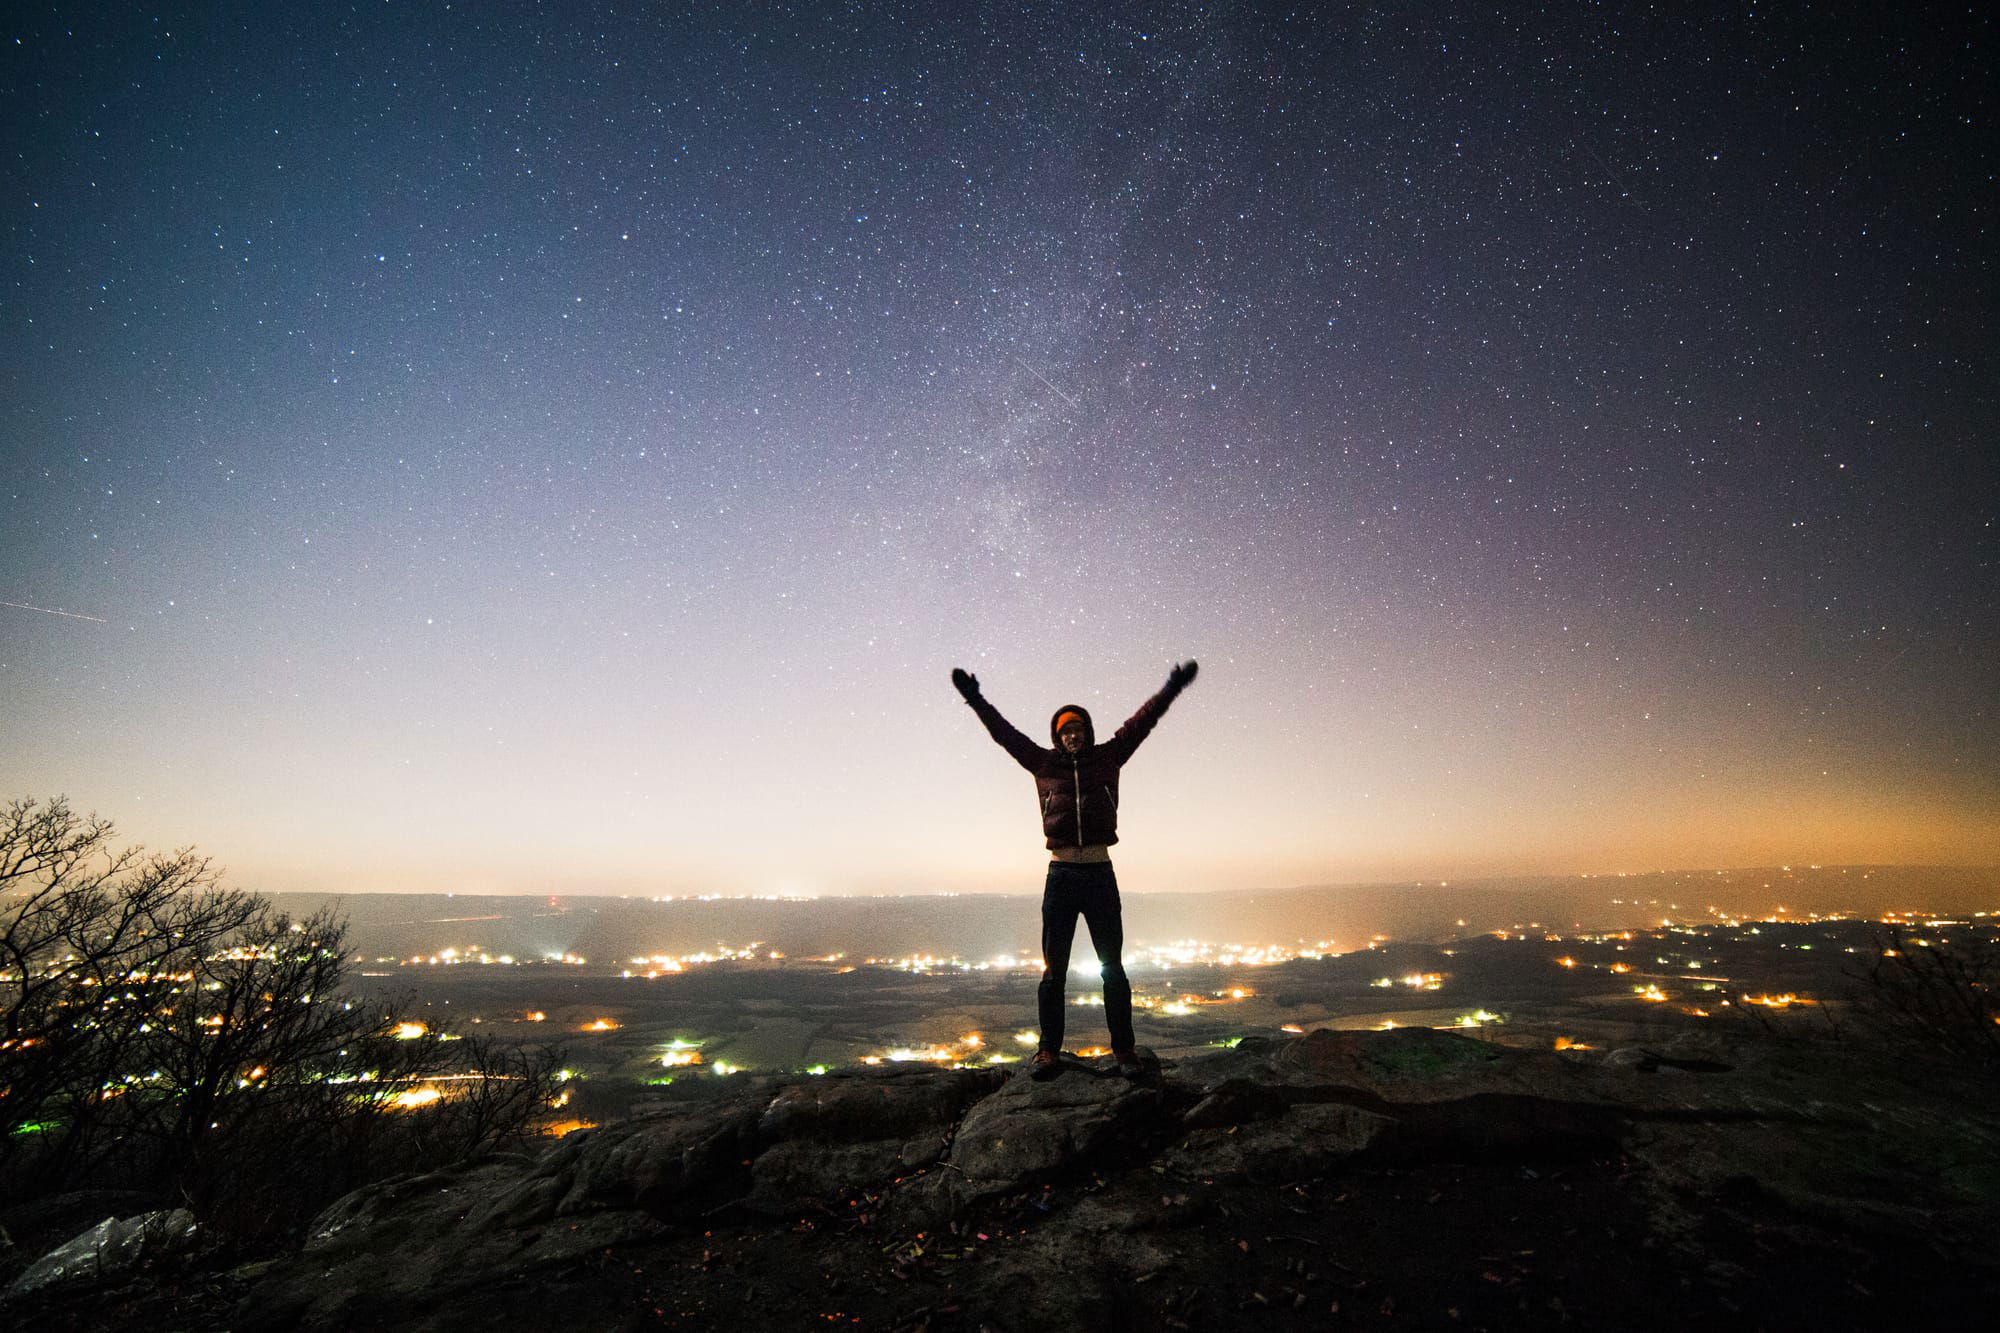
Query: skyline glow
x=523, y=451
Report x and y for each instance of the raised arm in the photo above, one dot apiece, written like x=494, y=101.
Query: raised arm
x=1025, y=751
x=1140, y=725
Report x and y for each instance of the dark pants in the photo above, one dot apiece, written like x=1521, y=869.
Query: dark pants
x=1088, y=890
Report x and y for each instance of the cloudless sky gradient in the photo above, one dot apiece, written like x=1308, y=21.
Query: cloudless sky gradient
x=564, y=448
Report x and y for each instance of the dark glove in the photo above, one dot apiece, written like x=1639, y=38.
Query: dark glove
x=1182, y=676
x=965, y=683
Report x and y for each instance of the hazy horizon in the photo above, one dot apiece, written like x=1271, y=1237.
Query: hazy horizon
x=605, y=931
x=1465, y=883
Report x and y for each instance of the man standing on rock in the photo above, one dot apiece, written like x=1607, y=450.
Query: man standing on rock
x=1078, y=785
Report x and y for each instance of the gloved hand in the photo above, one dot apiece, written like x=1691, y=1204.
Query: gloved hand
x=965, y=683
x=1182, y=676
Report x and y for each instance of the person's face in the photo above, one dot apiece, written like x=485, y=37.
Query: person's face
x=1072, y=737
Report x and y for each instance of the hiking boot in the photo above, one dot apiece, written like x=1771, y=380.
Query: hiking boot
x=1045, y=1066
x=1129, y=1064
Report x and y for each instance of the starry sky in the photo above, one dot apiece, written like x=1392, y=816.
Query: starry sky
x=564, y=448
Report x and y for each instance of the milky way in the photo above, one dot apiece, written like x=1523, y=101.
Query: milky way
x=566, y=448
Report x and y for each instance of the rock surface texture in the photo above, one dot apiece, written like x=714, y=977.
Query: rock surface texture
x=1407, y=1178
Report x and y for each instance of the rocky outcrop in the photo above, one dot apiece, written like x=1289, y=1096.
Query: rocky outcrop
x=108, y=1252
x=1098, y=1168
x=778, y=1146
x=1028, y=1131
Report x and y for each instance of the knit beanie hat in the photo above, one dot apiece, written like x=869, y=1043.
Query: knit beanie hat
x=1067, y=716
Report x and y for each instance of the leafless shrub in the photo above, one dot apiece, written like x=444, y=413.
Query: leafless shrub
x=504, y=1088
x=158, y=1030
x=93, y=941
x=1936, y=994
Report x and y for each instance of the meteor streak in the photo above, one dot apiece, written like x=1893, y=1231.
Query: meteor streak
x=1045, y=379
x=72, y=615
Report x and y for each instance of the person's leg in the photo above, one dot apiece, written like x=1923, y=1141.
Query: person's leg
x=1102, y=914
x=1059, y=909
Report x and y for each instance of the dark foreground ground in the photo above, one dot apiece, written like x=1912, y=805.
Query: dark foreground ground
x=1496, y=1246
x=1407, y=1179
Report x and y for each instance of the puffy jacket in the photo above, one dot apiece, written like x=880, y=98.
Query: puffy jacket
x=1079, y=792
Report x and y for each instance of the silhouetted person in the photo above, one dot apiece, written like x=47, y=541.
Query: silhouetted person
x=1077, y=781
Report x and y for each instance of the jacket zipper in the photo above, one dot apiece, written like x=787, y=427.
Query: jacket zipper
x=1076, y=772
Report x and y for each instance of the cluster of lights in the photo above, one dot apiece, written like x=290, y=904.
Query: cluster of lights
x=971, y=1049
x=734, y=898
x=1414, y=980
x=1200, y=953
x=925, y=962
x=1159, y=957
x=1182, y=1005
x=665, y=964
x=479, y=956
x=681, y=1054
x=1654, y=993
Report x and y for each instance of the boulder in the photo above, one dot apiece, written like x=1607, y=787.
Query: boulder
x=43, y=1223
x=1031, y=1131
x=1396, y=1056
x=894, y=1103
x=1235, y=1102
x=405, y=1208
x=665, y=1165
x=108, y=1251
x=1407, y=1064
x=403, y=1245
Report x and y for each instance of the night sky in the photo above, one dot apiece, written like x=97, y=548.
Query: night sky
x=565, y=448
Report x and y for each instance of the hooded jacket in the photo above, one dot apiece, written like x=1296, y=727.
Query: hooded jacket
x=1079, y=792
